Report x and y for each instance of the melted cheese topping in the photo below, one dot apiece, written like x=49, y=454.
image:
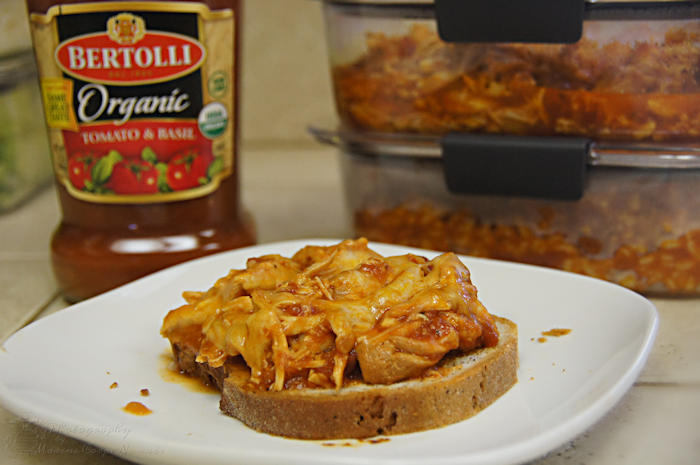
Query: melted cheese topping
x=310, y=320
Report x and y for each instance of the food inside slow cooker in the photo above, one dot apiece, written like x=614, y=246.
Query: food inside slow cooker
x=610, y=90
x=670, y=267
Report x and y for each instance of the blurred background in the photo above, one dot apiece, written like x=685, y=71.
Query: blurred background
x=285, y=72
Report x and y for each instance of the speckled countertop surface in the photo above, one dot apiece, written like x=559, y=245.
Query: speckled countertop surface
x=655, y=423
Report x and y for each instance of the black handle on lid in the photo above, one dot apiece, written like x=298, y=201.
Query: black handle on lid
x=545, y=167
x=534, y=21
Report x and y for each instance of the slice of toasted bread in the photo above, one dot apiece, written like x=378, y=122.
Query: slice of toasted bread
x=458, y=388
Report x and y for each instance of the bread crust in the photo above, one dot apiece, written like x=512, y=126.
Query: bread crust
x=458, y=388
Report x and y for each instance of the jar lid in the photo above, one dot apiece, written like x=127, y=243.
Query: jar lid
x=16, y=68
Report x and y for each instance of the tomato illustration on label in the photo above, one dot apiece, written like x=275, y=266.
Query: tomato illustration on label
x=80, y=170
x=113, y=173
x=134, y=176
x=188, y=170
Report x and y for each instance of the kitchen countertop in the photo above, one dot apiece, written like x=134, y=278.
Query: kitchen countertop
x=297, y=193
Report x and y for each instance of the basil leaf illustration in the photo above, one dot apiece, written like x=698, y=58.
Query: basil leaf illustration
x=104, y=166
x=162, y=177
x=215, y=167
x=147, y=154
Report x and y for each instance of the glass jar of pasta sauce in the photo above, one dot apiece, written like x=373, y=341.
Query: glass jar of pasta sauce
x=140, y=101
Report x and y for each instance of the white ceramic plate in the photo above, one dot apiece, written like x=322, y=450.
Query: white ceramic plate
x=57, y=372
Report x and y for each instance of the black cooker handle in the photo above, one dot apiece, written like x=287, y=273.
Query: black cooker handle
x=544, y=167
x=545, y=21
x=541, y=21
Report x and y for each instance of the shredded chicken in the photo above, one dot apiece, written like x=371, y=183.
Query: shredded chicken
x=616, y=90
x=312, y=320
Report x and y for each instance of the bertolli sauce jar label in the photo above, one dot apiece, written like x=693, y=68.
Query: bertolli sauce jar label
x=138, y=98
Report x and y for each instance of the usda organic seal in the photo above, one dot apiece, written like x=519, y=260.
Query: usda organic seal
x=213, y=120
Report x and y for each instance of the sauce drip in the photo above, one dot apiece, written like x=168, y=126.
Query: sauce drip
x=554, y=332
x=137, y=408
x=170, y=374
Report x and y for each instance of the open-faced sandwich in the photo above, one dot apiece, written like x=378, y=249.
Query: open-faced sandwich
x=341, y=342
